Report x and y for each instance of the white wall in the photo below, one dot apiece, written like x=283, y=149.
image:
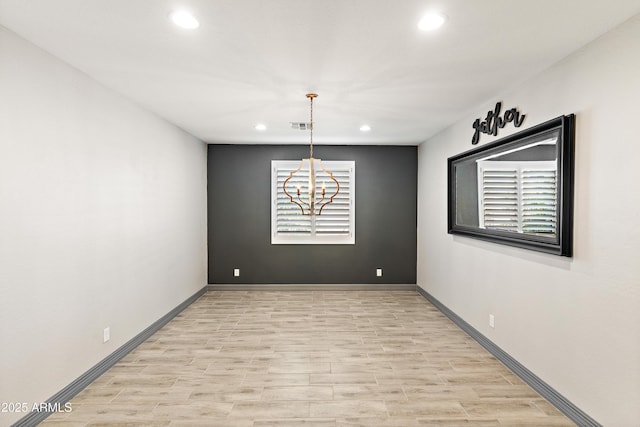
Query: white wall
x=102, y=221
x=573, y=322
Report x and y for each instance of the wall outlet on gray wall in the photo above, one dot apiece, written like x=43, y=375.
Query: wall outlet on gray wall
x=379, y=272
x=106, y=334
x=236, y=272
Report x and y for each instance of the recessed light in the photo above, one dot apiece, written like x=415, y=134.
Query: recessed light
x=261, y=126
x=365, y=128
x=431, y=21
x=184, y=19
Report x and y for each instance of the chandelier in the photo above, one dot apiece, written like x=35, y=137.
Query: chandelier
x=311, y=200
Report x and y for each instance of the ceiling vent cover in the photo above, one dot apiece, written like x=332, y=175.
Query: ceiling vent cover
x=300, y=125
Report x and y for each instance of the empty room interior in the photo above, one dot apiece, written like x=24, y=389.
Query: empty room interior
x=319, y=213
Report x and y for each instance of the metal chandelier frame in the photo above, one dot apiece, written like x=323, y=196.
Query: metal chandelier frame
x=312, y=205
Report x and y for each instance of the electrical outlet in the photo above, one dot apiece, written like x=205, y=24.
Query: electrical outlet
x=492, y=321
x=106, y=334
x=236, y=272
x=379, y=272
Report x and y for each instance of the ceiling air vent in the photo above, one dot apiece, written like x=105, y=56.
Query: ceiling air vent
x=300, y=125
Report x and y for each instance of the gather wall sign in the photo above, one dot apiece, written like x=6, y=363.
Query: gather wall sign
x=492, y=122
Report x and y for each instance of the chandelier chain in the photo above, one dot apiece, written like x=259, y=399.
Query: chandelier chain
x=311, y=129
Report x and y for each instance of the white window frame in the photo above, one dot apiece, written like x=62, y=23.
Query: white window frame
x=312, y=238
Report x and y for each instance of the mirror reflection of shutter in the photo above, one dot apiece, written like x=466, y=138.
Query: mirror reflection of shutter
x=539, y=201
x=336, y=215
x=500, y=199
x=289, y=218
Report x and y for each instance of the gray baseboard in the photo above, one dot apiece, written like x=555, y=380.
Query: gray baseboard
x=67, y=393
x=311, y=287
x=545, y=390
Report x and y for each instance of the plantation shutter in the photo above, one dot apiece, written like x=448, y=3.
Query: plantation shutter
x=335, y=218
x=336, y=224
x=500, y=199
x=289, y=218
x=518, y=196
x=539, y=201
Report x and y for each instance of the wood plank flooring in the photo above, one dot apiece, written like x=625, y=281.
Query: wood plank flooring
x=309, y=358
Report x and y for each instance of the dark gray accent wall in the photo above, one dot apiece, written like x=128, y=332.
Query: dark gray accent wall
x=538, y=153
x=239, y=214
x=467, y=195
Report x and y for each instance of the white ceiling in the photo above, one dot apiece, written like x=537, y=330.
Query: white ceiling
x=253, y=61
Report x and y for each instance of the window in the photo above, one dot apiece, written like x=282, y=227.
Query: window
x=336, y=225
x=518, y=196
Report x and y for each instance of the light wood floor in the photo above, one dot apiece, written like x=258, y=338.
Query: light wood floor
x=310, y=358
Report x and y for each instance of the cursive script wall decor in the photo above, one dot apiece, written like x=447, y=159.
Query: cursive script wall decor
x=493, y=121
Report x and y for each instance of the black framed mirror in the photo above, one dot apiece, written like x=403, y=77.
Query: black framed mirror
x=518, y=190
